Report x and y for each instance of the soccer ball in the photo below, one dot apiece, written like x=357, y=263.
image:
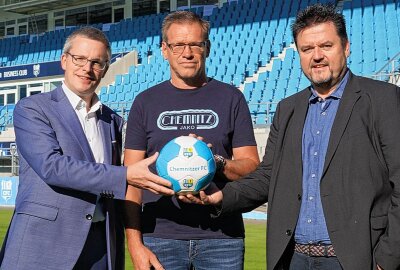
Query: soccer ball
x=188, y=163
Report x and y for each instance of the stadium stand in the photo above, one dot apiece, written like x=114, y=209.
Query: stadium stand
x=240, y=53
x=252, y=48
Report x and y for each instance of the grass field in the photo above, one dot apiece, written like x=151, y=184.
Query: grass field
x=255, y=241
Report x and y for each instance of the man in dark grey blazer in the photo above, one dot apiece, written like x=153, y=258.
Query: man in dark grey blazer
x=331, y=170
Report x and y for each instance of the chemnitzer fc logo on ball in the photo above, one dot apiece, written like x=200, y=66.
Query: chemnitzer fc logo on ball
x=188, y=183
x=188, y=152
x=187, y=163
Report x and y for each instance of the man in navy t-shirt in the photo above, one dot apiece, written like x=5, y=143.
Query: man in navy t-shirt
x=177, y=235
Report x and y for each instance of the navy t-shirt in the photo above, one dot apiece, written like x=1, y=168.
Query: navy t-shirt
x=219, y=113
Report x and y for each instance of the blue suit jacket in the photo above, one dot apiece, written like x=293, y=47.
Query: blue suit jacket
x=59, y=184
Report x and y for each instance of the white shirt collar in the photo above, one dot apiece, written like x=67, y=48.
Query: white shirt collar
x=78, y=103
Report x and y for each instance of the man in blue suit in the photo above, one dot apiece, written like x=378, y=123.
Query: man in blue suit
x=69, y=204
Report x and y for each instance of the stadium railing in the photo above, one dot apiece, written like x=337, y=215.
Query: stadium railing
x=9, y=160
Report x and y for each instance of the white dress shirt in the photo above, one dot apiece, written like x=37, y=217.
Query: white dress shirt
x=89, y=123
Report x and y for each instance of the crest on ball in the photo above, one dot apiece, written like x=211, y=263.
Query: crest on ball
x=188, y=152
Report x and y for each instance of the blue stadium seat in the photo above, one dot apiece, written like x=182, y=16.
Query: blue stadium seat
x=126, y=79
x=112, y=97
x=129, y=96
x=103, y=97
x=118, y=79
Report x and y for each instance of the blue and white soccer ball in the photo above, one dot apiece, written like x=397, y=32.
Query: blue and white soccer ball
x=188, y=163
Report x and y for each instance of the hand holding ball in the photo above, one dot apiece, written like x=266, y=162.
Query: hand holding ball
x=188, y=163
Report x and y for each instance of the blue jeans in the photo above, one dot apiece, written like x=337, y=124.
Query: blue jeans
x=207, y=254
x=304, y=262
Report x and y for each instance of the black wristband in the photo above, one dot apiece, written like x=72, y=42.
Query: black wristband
x=220, y=162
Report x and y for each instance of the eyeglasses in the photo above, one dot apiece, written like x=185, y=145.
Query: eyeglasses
x=178, y=48
x=81, y=61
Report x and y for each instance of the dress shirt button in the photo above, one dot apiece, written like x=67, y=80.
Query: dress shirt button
x=324, y=113
x=313, y=175
x=288, y=232
x=309, y=220
x=311, y=198
x=318, y=132
x=89, y=217
x=315, y=153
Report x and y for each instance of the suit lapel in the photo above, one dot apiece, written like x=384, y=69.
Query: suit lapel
x=349, y=98
x=105, y=129
x=299, y=117
x=70, y=119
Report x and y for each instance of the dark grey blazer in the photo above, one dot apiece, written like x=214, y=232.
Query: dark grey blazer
x=360, y=185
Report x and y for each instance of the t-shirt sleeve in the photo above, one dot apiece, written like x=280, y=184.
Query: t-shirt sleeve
x=243, y=131
x=135, y=130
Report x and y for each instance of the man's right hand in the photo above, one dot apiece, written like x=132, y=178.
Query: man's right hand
x=212, y=195
x=139, y=175
x=144, y=259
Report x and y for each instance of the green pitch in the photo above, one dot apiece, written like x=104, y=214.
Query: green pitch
x=254, y=242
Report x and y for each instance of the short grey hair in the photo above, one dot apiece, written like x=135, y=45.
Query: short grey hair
x=90, y=33
x=181, y=17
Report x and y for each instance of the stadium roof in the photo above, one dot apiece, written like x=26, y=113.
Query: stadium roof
x=37, y=6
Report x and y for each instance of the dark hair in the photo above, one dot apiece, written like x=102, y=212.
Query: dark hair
x=320, y=13
x=184, y=17
x=90, y=33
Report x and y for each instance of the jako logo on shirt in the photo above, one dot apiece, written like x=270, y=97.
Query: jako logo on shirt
x=187, y=119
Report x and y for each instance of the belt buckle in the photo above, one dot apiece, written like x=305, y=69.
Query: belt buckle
x=326, y=251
